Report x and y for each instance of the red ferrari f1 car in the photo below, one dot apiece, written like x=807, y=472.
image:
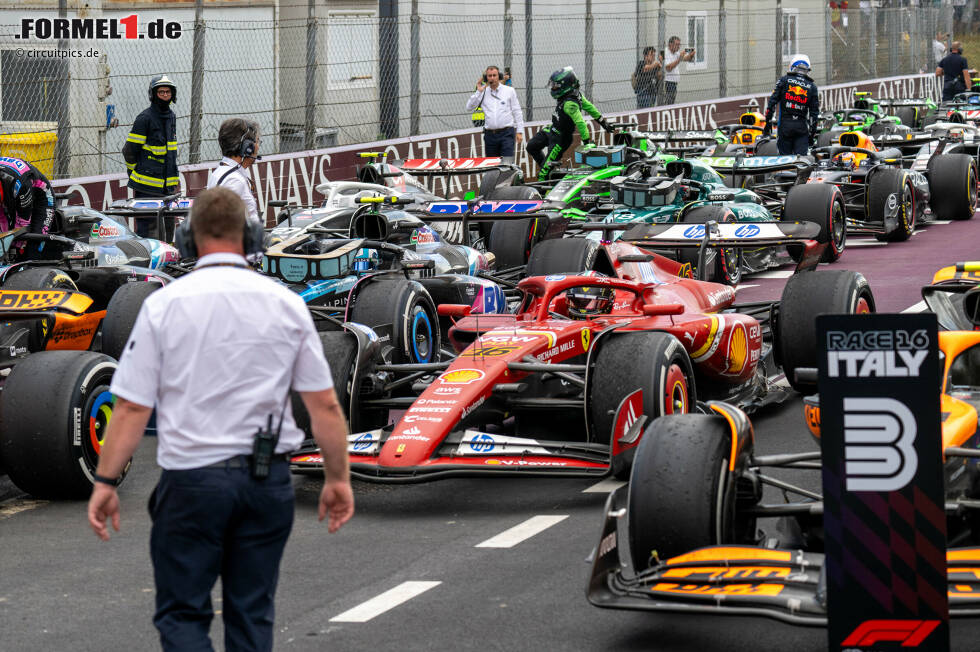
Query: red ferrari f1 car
x=568, y=383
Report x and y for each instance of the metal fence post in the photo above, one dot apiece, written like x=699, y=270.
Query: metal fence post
x=310, y=117
x=893, y=27
x=388, y=75
x=779, y=38
x=197, y=84
x=416, y=68
x=722, y=50
x=638, y=27
x=508, y=36
x=662, y=26
x=828, y=66
x=529, y=60
x=63, y=147
x=589, y=24
x=874, y=41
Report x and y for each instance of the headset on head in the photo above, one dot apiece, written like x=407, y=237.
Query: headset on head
x=252, y=238
x=246, y=148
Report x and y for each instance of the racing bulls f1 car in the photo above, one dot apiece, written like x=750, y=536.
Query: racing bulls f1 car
x=682, y=537
x=565, y=385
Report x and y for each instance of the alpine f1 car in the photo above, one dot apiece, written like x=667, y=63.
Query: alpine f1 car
x=61, y=331
x=682, y=536
x=567, y=384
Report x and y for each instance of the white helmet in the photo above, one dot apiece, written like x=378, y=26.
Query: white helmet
x=800, y=63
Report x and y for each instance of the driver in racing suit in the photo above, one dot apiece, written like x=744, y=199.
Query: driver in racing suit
x=26, y=199
x=567, y=117
x=799, y=107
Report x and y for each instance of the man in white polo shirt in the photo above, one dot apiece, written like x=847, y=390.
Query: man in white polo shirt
x=217, y=352
x=238, y=139
x=504, y=119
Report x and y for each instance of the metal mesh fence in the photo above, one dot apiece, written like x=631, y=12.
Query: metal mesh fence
x=314, y=75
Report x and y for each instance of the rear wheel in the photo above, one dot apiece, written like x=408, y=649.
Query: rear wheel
x=511, y=241
x=562, y=256
x=682, y=495
x=891, y=191
x=822, y=204
x=653, y=364
x=953, y=186
x=403, y=311
x=767, y=148
x=723, y=265
x=120, y=316
x=51, y=450
x=804, y=297
x=826, y=139
x=907, y=115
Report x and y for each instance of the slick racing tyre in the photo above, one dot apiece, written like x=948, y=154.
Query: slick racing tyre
x=120, y=315
x=562, y=256
x=953, y=186
x=723, y=265
x=890, y=188
x=907, y=115
x=654, y=364
x=767, y=148
x=822, y=204
x=38, y=278
x=682, y=495
x=826, y=139
x=403, y=315
x=511, y=241
x=50, y=450
x=804, y=297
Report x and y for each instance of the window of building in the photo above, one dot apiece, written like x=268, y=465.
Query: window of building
x=790, y=42
x=352, y=46
x=696, y=28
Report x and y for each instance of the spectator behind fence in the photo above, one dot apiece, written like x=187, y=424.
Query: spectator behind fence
x=224, y=503
x=955, y=72
x=672, y=59
x=647, y=77
x=939, y=46
x=239, y=142
x=504, y=120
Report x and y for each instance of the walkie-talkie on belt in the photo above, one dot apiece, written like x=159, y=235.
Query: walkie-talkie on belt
x=264, y=447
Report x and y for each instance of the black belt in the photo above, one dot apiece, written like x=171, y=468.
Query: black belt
x=498, y=131
x=243, y=462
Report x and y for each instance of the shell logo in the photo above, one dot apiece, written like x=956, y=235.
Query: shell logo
x=461, y=376
x=737, y=350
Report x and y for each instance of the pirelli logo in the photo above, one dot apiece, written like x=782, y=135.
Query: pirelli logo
x=33, y=300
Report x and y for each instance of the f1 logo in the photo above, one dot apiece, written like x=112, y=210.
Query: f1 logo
x=909, y=632
x=879, y=439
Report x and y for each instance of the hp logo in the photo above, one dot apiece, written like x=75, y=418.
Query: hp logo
x=482, y=443
x=747, y=231
x=696, y=231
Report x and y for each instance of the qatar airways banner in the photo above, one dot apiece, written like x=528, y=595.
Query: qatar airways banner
x=293, y=177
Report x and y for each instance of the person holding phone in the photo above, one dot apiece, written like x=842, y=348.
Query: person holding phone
x=672, y=76
x=503, y=118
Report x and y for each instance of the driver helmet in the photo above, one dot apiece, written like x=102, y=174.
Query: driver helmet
x=562, y=82
x=589, y=300
x=800, y=63
x=366, y=260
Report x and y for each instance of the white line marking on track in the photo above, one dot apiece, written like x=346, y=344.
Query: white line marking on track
x=605, y=486
x=526, y=530
x=865, y=243
x=19, y=505
x=917, y=307
x=937, y=222
x=777, y=273
x=382, y=603
x=745, y=286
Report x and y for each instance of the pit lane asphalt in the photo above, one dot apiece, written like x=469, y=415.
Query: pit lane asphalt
x=61, y=588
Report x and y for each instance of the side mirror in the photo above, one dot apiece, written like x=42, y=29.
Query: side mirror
x=456, y=310
x=971, y=306
x=655, y=309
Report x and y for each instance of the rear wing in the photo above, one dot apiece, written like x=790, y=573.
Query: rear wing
x=760, y=164
x=14, y=303
x=437, y=166
x=686, y=136
x=495, y=207
x=800, y=235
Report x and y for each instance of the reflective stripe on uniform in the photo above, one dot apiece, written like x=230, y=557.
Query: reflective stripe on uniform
x=131, y=166
x=133, y=137
x=156, y=182
x=173, y=181
x=159, y=150
x=172, y=145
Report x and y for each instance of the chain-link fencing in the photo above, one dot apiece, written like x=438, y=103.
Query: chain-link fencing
x=315, y=76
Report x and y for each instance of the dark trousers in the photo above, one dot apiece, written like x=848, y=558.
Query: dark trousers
x=793, y=138
x=218, y=521
x=670, y=92
x=499, y=143
x=548, y=141
x=953, y=87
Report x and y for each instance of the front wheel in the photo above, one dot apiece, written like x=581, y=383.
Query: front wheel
x=723, y=265
x=890, y=191
x=51, y=450
x=953, y=186
x=822, y=204
x=682, y=492
x=402, y=311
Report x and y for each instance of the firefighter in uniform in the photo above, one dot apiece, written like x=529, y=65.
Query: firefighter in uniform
x=151, y=147
x=567, y=117
x=799, y=106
